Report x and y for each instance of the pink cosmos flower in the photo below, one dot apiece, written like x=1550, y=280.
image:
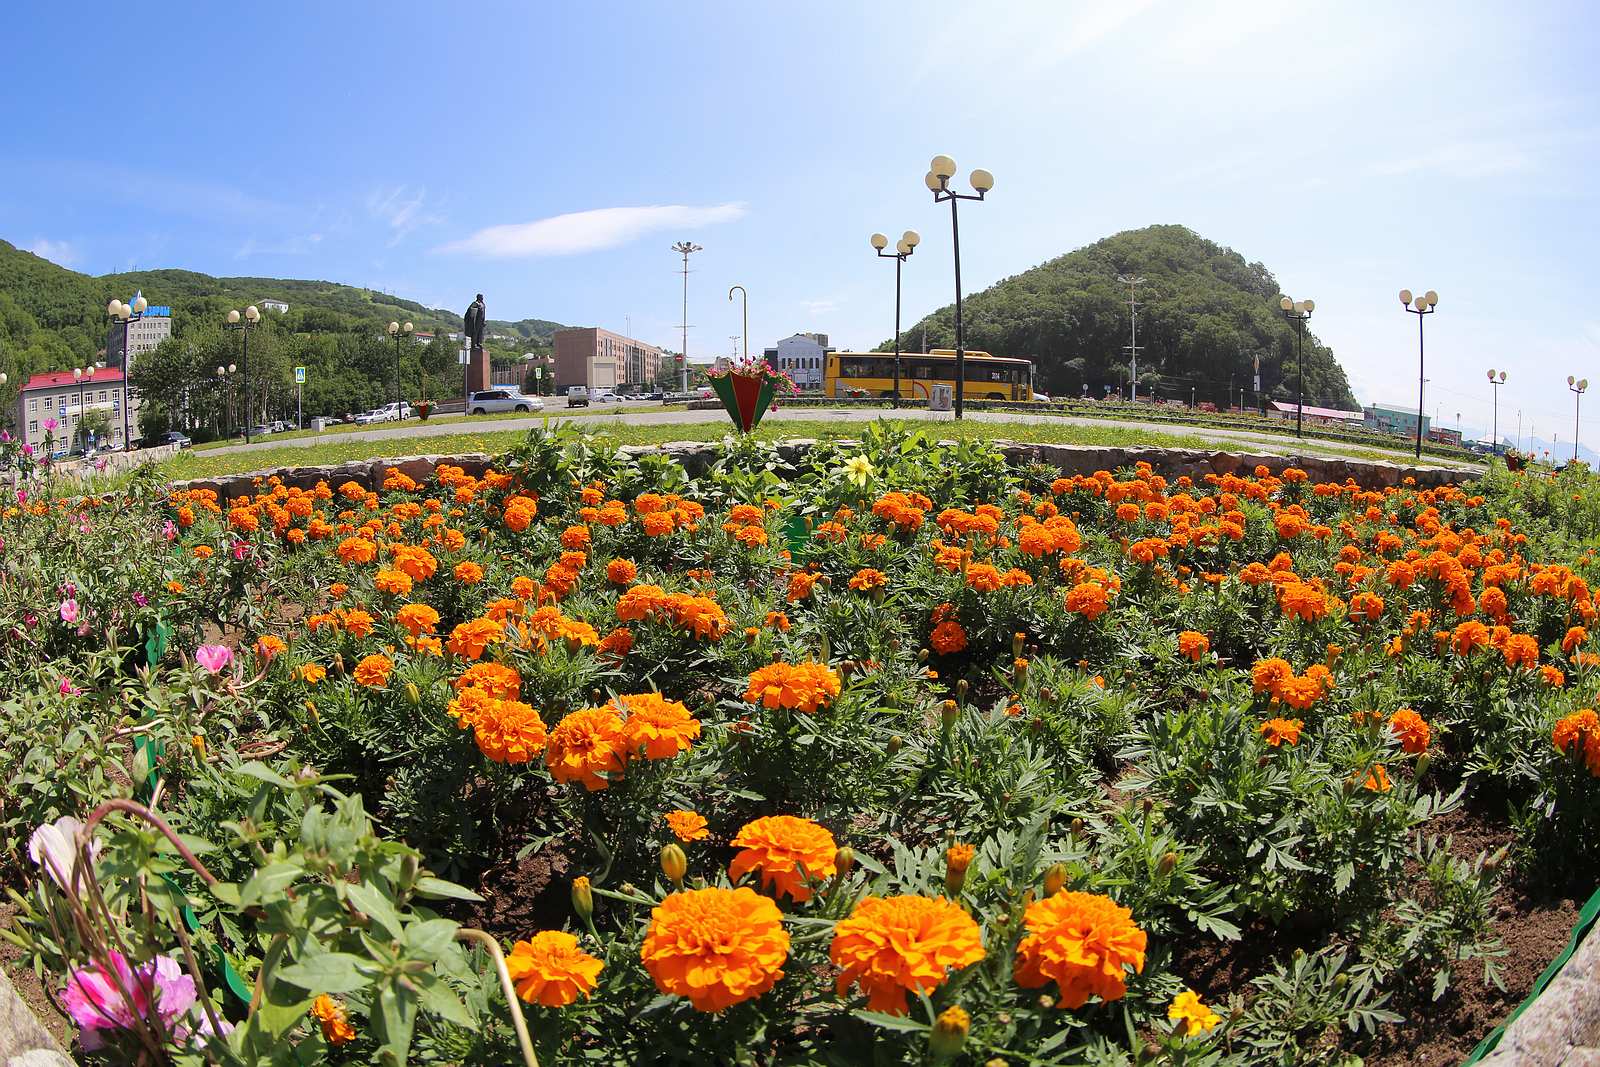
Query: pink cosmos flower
x=213, y=657
x=169, y=531
x=241, y=549
x=68, y=689
x=69, y=610
x=158, y=989
x=50, y=424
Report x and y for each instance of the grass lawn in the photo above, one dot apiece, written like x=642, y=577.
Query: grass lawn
x=196, y=463
x=437, y=420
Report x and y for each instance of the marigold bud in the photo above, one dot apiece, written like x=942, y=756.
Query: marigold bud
x=961, y=689
x=674, y=864
x=1077, y=828
x=948, y=713
x=1045, y=1002
x=1422, y=764
x=1167, y=864
x=337, y=666
x=413, y=694
x=1054, y=879
x=582, y=898
x=199, y=743
x=949, y=1034
x=1016, y=644
x=922, y=655
x=844, y=861
x=894, y=745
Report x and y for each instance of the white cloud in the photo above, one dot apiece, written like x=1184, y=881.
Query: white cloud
x=401, y=209
x=60, y=252
x=1461, y=159
x=587, y=231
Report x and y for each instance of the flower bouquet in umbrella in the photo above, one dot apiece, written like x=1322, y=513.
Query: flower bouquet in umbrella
x=747, y=388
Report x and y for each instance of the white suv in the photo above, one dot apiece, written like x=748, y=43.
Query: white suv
x=387, y=413
x=494, y=401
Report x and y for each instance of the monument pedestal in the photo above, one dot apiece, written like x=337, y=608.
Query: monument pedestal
x=477, y=370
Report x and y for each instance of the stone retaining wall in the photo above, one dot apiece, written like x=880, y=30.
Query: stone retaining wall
x=697, y=457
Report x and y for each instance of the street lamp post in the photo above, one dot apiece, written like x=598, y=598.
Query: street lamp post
x=1494, y=440
x=940, y=171
x=399, y=333
x=225, y=379
x=1297, y=312
x=1422, y=305
x=244, y=324
x=1577, y=387
x=77, y=423
x=126, y=314
x=745, y=336
x=902, y=250
x=685, y=248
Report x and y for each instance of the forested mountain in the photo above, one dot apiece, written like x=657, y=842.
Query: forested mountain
x=52, y=318
x=1204, y=315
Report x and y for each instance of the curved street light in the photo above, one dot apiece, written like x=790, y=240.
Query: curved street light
x=745, y=336
x=1419, y=306
x=1297, y=312
x=940, y=170
x=903, y=250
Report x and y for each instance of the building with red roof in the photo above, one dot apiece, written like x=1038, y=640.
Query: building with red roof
x=53, y=407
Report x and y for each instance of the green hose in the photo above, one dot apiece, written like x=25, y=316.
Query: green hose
x=1586, y=919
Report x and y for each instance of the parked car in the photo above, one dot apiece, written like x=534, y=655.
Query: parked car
x=657, y=395
x=495, y=401
x=387, y=413
x=279, y=426
x=602, y=396
x=260, y=431
x=173, y=437
x=578, y=397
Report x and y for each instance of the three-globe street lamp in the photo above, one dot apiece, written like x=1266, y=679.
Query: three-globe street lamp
x=225, y=378
x=399, y=332
x=244, y=324
x=1422, y=305
x=78, y=374
x=1297, y=312
x=903, y=248
x=1577, y=386
x=1494, y=440
x=126, y=314
x=940, y=171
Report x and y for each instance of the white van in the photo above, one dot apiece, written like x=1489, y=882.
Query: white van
x=577, y=396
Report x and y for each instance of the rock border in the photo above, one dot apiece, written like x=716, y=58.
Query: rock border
x=696, y=457
x=1562, y=1025
x=24, y=1042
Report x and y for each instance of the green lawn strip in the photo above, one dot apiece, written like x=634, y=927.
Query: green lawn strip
x=197, y=464
x=350, y=427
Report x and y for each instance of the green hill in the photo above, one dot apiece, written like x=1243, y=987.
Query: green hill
x=1205, y=315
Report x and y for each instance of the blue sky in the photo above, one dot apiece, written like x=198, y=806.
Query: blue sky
x=549, y=155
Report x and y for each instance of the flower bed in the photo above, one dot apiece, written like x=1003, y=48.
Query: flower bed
x=886, y=745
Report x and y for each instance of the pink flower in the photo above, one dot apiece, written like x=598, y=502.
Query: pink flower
x=50, y=424
x=54, y=847
x=69, y=610
x=241, y=549
x=68, y=689
x=169, y=531
x=213, y=657
x=95, y=998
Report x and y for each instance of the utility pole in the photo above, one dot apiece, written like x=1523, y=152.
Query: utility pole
x=685, y=247
x=1133, y=281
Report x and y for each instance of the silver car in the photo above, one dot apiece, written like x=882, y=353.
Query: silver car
x=495, y=401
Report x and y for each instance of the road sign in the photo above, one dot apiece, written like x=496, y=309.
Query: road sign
x=299, y=376
x=461, y=357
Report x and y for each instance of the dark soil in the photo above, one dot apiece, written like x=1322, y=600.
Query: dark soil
x=1533, y=923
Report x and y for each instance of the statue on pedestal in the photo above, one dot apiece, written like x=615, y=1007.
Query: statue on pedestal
x=474, y=321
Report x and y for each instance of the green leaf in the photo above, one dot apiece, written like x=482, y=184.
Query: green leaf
x=377, y=907
x=227, y=892
x=282, y=1009
x=262, y=772
x=438, y=889
x=902, y=1023
x=331, y=972
x=439, y=1000
x=427, y=940
x=393, y=1017
x=269, y=882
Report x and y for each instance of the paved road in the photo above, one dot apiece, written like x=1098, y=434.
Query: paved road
x=1262, y=442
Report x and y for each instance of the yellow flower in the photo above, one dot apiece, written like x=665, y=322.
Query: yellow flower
x=1195, y=1016
x=857, y=470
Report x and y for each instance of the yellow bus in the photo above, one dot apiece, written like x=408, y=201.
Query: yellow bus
x=872, y=374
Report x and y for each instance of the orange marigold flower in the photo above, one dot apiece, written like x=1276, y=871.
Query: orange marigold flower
x=1088, y=599
x=658, y=727
x=1377, y=779
x=1269, y=674
x=802, y=687
x=890, y=945
x=470, y=638
x=268, y=647
x=958, y=857
x=1578, y=735
x=787, y=852
x=618, y=642
x=1193, y=645
x=1575, y=636
x=621, y=572
x=468, y=572
x=867, y=579
x=551, y=970
x=312, y=673
x=356, y=623
x=1083, y=942
x=1277, y=731
x=335, y=1020
x=356, y=550
x=1411, y=730
x=586, y=744
x=393, y=582
x=417, y=619
x=800, y=586
x=373, y=671
x=687, y=826
x=948, y=637
x=1469, y=636
x=716, y=947
x=203, y=551
x=508, y=731
x=496, y=679
x=1366, y=605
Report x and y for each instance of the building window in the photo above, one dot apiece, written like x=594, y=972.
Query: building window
x=33, y=404
x=33, y=427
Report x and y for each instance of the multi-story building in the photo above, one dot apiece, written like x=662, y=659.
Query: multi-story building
x=279, y=306
x=803, y=357
x=143, y=334
x=54, y=406
x=599, y=359
x=1395, y=418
